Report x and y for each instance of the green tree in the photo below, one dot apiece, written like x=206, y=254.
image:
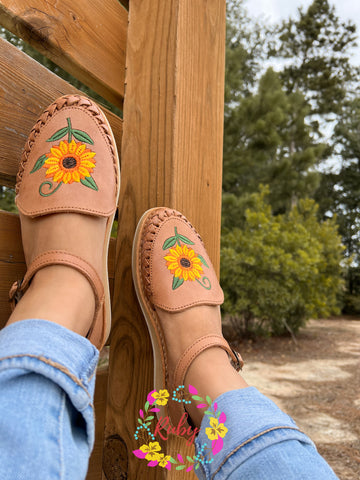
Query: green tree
x=316, y=46
x=279, y=271
x=267, y=141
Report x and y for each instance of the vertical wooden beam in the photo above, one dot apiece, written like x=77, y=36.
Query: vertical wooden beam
x=171, y=156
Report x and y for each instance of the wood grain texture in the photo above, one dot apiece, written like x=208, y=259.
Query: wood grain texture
x=26, y=89
x=171, y=155
x=87, y=39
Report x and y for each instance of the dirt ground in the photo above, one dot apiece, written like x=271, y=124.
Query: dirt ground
x=317, y=382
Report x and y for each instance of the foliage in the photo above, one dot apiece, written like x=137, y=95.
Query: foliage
x=278, y=271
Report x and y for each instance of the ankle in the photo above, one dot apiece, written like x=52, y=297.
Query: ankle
x=61, y=295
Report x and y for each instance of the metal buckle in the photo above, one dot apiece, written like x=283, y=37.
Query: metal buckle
x=239, y=362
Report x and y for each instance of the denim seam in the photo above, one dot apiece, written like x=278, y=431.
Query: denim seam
x=248, y=441
x=56, y=365
x=61, y=450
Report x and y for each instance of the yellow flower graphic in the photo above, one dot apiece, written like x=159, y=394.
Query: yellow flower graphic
x=152, y=451
x=161, y=397
x=69, y=162
x=163, y=460
x=184, y=263
x=216, y=429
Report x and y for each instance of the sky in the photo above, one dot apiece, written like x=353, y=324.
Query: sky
x=275, y=10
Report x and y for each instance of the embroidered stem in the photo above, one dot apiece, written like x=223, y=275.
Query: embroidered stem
x=203, y=282
x=50, y=192
x=70, y=129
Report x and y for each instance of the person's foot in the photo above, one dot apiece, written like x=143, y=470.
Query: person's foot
x=180, y=296
x=67, y=190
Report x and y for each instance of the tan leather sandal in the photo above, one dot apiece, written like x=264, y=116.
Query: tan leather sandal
x=70, y=164
x=172, y=271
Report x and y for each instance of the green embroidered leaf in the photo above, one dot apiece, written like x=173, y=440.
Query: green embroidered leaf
x=177, y=282
x=82, y=136
x=170, y=242
x=147, y=406
x=59, y=134
x=196, y=397
x=203, y=261
x=208, y=412
x=140, y=421
x=149, y=418
x=180, y=467
x=89, y=182
x=196, y=466
x=172, y=460
x=39, y=163
x=185, y=239
x=148, y=424
x=190, y=459
x=208, y=399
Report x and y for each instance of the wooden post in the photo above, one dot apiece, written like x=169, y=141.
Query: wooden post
x=171, y=156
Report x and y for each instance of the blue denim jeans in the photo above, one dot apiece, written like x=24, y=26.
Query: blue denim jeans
x=47, y=376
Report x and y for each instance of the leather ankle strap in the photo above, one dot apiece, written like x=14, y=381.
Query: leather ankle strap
x=199, y=346
x=60, y=257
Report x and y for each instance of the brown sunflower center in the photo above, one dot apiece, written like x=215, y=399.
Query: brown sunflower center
x=69, y=162
x=185, y=262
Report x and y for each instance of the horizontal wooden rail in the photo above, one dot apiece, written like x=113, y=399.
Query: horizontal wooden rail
x=12, y=261
x=26, y=88
x=88, y=41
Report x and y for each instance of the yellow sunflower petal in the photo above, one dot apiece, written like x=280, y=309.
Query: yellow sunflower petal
x=196, y=260
x=170, y=258
x=185, y=249
x=173, y=266
x=52, y=169
x=80, y=148
x=64, y=147
x=56, y=152
x=87, y=164
x=67, y=177
x=84, y=172
x=191, y=276
x=191, y=253
x=76, y=176
x=87, y=155
x=174, y=253
x=52, y=161
x=178, y=272
x=179, y=250
x=58, y=176
x=72, y=146
x=196, y=273
x=185, y=275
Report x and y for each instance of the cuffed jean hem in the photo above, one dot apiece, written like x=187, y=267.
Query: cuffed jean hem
x=47, y=381
x=262, y=442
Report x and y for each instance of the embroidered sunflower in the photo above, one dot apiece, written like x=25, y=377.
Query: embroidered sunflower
x=183, y=263
x=216, y=429
x=151, y=451
x=69, y=162
x=161, y=397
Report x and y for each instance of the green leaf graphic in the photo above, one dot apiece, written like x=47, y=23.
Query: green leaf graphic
x=208, y=399
x=177, y=282
x=180, y=467
x=59, y=134
x=147, y=405
x=196, y=397
x=203, y=261
x=89, y=182
x=190, y=459
x=208, y=412
x=172, y=460
x=39, y=163
x=140, y=421
x=82, y=136
x=185, y=239
x=149, y=418
x=170, y=242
